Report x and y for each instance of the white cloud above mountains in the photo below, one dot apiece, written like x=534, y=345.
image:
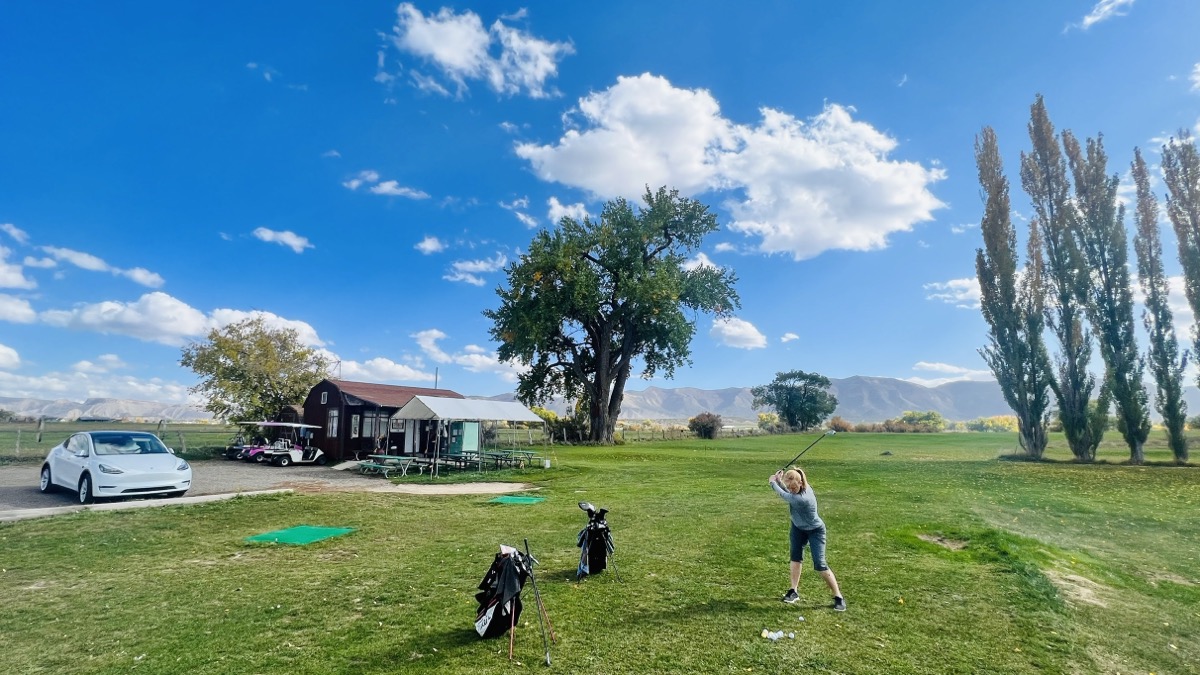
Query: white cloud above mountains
x=472, y=358
x=9, y=359
x=460, y=49
x=737, y=333
x=19, y=235
x=388, y=188
x=949, y=373
x=798, y=187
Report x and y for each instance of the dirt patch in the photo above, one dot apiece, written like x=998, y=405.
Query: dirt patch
x=1079, y=589
x=952, y=544
x=317, y=486
x=1156, y=577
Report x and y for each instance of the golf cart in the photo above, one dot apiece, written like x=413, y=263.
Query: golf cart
x=287, y=436
x=294, y=446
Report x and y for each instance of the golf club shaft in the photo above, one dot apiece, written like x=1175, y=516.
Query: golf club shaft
x=541, y=609
x=785, y=466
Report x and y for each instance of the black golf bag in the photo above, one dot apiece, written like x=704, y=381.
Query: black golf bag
x=499, y=595
x=595, y=542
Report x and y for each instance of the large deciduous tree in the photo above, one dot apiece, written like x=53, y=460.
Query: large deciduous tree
x=1101, y=237
x=1166, y=363
x=250, y=371
x=1044, y=177
x=591, y=297
x=801, y=399
x=1016, y=352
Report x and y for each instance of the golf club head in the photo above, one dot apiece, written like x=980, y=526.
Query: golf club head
x=831, y=432
x=588, y=508
x=600, y=514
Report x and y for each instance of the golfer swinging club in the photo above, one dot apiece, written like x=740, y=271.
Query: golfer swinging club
x=807, y=527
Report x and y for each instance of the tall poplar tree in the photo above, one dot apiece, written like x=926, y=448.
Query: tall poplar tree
x=1166, y=363
x=1015, y=352
x=1044, y=178
x=1181, y=171
x=1101, y=238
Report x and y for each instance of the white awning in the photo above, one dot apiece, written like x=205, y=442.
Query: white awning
x=438, y=408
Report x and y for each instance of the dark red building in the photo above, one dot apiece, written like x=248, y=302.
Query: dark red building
x=355, y=419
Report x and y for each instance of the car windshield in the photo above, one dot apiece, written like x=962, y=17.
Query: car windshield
x=115, y=443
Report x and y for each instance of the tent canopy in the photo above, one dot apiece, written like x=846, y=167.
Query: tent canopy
x=438, y=408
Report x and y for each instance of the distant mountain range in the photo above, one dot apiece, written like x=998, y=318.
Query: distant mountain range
x=860, y=399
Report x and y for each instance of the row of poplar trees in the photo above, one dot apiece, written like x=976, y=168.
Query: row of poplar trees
x=1076, y=287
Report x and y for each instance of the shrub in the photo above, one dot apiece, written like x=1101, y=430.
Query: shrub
x=705, y=425
x=840, y=425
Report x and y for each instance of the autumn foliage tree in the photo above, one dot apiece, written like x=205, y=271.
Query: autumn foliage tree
x=250, y=371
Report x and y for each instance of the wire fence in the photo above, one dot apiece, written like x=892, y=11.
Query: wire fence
x=19, y=440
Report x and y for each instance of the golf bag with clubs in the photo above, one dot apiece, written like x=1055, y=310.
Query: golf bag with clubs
x=499, y=595
x=595, y=542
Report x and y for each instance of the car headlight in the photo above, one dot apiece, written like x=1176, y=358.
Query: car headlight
x=183, y=465
x=104, y=468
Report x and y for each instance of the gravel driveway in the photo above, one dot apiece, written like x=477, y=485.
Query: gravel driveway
x=19, y=483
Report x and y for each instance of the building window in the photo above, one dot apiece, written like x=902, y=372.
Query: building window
x=354, y=426
x=324, y=397
x=331, y=430
x=369, y=425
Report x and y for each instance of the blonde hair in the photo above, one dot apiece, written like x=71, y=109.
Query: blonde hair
x=795, y=481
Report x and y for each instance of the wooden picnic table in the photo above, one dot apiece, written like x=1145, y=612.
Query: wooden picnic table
x=402, y=462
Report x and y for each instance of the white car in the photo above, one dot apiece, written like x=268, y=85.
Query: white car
x=115, y=464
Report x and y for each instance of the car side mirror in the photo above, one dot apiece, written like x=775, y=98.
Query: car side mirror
x=171, y=450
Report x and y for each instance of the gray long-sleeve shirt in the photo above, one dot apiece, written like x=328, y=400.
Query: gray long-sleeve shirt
x=803, y=507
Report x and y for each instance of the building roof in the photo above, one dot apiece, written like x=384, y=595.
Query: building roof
x=389, y=395
x=441, y=408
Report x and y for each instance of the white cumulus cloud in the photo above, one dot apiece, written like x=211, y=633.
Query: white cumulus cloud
x=16, y=310
x=461, y=50
x=799, y=187
x=472, y=358
x=92, y=263
x=382, y=369
x=1195, y=78
x=365, y=176
x=962, y=293
x=430, y=245
x=788, y=337
x=700, y=260
x=12, y=275
x=9, y=358
x=392, y=188
x=285, y=238
x=158, y=317
x=949, y=373
x=19, y=235
x=556, y=211
x=469, y=270
x=739, y=333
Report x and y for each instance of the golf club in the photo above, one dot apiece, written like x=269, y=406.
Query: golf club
x=541, y=609
x=827, y=433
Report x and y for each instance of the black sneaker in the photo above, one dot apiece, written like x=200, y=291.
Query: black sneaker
x=791, y=596
x=839, y=604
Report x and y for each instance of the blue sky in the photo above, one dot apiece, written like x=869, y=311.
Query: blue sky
x=363, y=171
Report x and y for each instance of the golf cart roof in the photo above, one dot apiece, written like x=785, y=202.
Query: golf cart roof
x=293, y=425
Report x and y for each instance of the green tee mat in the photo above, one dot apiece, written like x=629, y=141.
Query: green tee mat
x=300, y=535
x=514, y=499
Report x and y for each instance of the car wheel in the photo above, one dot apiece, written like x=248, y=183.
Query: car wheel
x=321, y=460
x=260, y=457
x=275, y=461
x=85, y=490
x=46, y=484
x=285, y=460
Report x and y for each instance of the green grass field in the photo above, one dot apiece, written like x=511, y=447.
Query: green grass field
x=950, y=559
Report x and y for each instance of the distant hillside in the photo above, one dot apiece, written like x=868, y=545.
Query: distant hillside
x=860, y=399
x=107, y=408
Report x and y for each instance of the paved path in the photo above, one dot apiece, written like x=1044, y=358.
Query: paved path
x=19, y=491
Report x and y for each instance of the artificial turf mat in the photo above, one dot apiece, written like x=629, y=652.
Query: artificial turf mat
x=300, y=535
x=515, y=499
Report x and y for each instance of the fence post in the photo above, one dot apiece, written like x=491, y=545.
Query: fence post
x=182, y=441
x=18, y=442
